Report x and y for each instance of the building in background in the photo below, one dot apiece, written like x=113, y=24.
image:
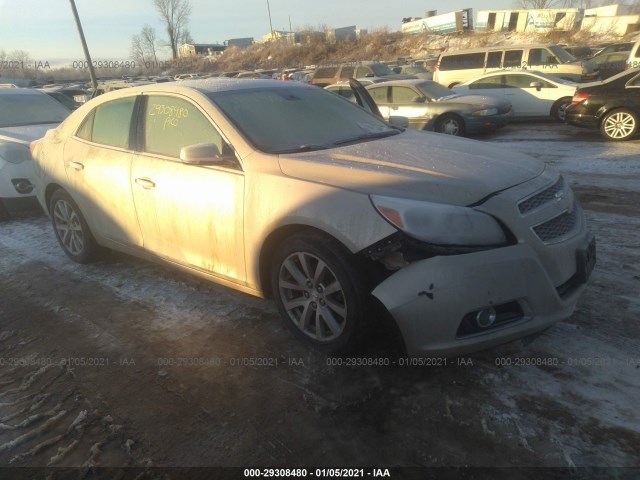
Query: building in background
x=190, y=50
x=335, y=35
x=451, y=22
x=239, y=42
x=533, y=21
x=611, y=19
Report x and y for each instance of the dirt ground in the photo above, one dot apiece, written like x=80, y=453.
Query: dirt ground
x=125, y=363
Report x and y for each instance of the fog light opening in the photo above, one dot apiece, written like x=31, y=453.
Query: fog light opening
x=486, y=317
x=22, y=185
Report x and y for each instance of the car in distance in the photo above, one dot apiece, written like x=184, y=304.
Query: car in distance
x=609, y=64
x=531, y=94
x=465, y=245
x=25, y=115
x=341, y=72
x=613, y=106
x=430, y=106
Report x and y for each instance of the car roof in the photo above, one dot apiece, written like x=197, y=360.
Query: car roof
x=500, y=47
x=408, y=81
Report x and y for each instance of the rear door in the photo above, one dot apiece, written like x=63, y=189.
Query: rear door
x=97, y=162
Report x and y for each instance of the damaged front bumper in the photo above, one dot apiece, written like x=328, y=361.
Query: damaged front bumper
x=439, y=302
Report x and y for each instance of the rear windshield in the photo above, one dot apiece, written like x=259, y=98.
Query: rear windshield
x=562, y=54
x=20, y=109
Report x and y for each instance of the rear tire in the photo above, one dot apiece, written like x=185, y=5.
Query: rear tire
x=559, y=108
x=71, y=229
x=450, y=125
x=619, y=125
x=319, y=292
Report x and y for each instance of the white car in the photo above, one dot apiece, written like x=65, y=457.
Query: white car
x=25, y=115
x=531, y=93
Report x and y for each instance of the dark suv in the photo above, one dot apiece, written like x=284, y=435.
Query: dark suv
x=335, y=73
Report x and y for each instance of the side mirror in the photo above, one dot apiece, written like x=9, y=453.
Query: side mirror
x=370, y=74
x=399, y=121
x=205, y=153
x=537, y=85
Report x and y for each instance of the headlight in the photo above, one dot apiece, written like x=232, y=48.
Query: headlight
x=440, y=224
x=485, y=112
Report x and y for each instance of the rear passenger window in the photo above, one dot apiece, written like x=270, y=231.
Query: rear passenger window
x=403, y=95
x=172, y=123
x=379, y=94
x=346, y=73
x=112, y=123
x=326, y=72
x=362, y=72
x=494, y=59
x=464, y=61
x=512, y=58
x=541, y=56
x=86, y=128
x=489, y=82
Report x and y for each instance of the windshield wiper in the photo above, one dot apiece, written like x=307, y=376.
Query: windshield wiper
x=302, y=148
x=367, y=136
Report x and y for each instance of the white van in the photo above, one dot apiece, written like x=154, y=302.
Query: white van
x=460, y=66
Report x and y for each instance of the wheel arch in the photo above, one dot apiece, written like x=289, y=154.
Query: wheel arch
x=271, y=243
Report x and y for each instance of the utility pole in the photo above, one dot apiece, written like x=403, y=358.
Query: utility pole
x=270, y=24
x=92, y=72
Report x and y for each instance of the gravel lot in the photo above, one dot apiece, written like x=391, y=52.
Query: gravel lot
x=156, y=369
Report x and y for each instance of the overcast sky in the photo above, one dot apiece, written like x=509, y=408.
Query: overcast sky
x=45, y=28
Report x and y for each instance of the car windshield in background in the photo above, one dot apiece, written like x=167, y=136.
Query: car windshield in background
x=19, y=109
x=433, y=90
x=562, y=54
x=286, y=120
x=381, y=70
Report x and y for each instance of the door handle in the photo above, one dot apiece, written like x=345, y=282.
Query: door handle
x=145, y=183
x=77, y=165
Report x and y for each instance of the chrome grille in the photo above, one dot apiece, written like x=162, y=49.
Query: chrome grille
x=558, y=227
x=541, y=198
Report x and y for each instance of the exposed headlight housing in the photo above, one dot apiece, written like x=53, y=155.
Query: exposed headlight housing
x=440, y=224
x=485, y=112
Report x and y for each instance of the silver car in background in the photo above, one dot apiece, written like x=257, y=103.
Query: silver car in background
x=283, y=190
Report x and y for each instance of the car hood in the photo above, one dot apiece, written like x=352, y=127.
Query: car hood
x=480, y=100
x=417, y=165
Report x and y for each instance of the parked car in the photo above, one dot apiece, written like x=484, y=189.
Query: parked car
x=430, y=106
x=25, y=115
x=465, y=245
x=613, y=106
x=610, y=64
x=580, y=52
x=304, y=76
x=531, y=94
x=456, y=67
x=633, y=60
x=613, y=48
x=329, y=74
x=415, y=71
x=428, y=64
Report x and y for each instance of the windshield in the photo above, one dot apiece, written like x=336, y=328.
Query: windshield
x=284, y=120
x=381, y=70
x=433, y=90
x=562, y=54
x=18, y=109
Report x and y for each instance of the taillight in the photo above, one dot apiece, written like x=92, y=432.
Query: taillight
x=627, y=66
x=311, y=81
x=579, y=97
x=32, y=146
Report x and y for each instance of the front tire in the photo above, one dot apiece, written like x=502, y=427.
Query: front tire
x=450, y=125
x=320, y=294
x=619, y=125
x=71, y=228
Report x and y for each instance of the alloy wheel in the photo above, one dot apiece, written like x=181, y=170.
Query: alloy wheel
x=68, y=227
x=312, y=296
x=619, y=125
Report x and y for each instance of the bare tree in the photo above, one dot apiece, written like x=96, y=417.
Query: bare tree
x=186, y=37
x=537, y=4
x=3, y=55
x=137, y=50
x=175, y=14
x=149, y=42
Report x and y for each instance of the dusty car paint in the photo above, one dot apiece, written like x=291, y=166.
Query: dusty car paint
x=220, y=221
